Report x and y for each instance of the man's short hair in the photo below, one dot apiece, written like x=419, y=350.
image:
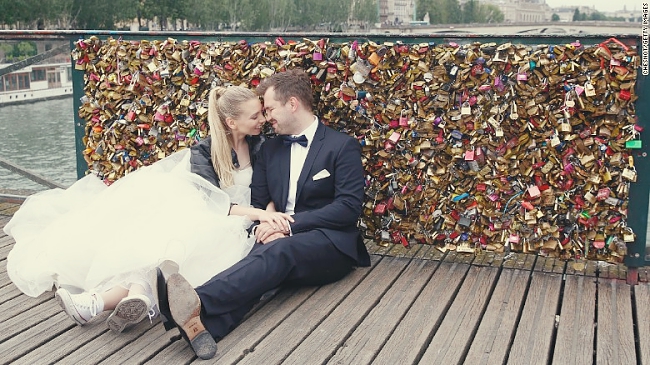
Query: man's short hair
x=287, y=84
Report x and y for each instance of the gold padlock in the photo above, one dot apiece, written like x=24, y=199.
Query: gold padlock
x=629, y=173
x=628, y=235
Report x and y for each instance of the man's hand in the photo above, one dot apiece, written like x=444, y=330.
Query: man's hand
x=265, y=233
x=273, y=237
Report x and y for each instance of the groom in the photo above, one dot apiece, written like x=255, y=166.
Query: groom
x=309, y=171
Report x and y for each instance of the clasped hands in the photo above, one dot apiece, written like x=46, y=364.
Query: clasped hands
x=273, y=225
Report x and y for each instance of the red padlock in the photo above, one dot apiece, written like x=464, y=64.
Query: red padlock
x=380, y=209
x=624, y=95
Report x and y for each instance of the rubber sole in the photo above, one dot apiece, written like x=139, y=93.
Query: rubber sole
x=128, y=311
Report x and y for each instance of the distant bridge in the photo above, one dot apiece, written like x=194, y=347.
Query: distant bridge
x=583, y=27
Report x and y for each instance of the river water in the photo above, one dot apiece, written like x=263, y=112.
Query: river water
x=40, y=138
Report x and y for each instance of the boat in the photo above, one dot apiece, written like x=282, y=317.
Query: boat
x=36, y=82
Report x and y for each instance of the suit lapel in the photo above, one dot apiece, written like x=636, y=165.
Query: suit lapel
x=314, y=149
x=284, y=154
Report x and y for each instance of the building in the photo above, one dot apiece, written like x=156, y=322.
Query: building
x=396, y=12
x=521, y=11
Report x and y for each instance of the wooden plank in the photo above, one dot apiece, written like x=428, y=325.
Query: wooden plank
x=5, y=205
x=577, y=267
x=27, y=319
x=178, y=352
x=334, y=330
x=10, y=211
x=141, y=349
x=4, y=278
x=498, y=325
x=65, y=343
x=34, y=337
x=642, y=298
x=21, y=304
x=540, y=263
x=519, y=261
x=432, y=253
x=558, y=266
x=3, y=222
x=4, y=251
x=574, y=343
x=8, y=293
x=104, y=345
x=489, y=258
x=644, y=274
x=457, y=329
x=401, y=251
x=6, y=241
x=253, y=329
x=368, y=338
x=494, y=259
x=535, y=330
x=592, y=268
x=615, y=334
x=415, y=330
x=279, y=339
x=375, y=248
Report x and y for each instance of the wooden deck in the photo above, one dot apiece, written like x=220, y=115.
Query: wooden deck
x=416, y=306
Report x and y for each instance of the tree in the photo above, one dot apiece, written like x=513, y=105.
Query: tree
x=163, y=11
x=475, y=12
x=576, y=15
x=555, y=17
x=596, y=15
x=470, y=11
x=441, y=11
x=490, y=13
x=365, y=11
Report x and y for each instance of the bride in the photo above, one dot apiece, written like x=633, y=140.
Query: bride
x=96, y=243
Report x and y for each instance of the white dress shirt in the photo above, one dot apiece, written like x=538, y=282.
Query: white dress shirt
x=298, y=156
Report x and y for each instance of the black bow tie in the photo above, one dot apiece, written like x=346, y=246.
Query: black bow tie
x=301, y=140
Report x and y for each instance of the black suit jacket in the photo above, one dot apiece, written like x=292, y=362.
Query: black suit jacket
x=332, y=204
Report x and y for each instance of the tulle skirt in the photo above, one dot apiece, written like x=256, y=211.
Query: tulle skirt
x=91, y=236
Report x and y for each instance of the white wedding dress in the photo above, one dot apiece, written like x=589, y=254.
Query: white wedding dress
x=92, y=237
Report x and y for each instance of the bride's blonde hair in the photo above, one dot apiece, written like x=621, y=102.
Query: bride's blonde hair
x=225, y=102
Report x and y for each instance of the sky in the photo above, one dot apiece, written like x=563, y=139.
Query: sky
x=601, y=5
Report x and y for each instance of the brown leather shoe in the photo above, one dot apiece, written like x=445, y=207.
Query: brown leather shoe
x=185, y=308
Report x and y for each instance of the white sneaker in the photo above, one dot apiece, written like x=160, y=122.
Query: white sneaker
x=80, y=307
x=129, y=311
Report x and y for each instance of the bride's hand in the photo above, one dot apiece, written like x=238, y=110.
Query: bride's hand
x=277, y=220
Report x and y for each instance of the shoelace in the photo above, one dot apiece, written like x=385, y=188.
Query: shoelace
x=152, y=313
x=93, y=305
x=90, y=302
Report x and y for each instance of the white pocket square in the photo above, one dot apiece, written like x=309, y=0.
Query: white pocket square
x=321, y=175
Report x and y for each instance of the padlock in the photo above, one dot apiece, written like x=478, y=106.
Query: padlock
x=629, y=173
x=590, y=91
x=590, y=197
x=533, y=191
x=464, y=221
x=624, y=95
x=403, y=119
x=469, y=154
x=466, y=109
x=380, y=208
x=628, y=235
x=565, y=127
x=634, y=144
